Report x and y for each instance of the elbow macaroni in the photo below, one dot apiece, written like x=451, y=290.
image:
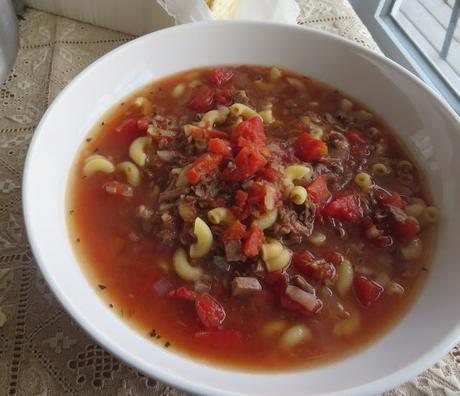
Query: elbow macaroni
x=317, y=238
x=240, y=109
x=221, y=215
x=144, y=105
x=416, y=207
x=186, y=211
x=183, y=268
x=296, y=172
x=133, y=176
x=182, y=178
x=273, y=328
x=267, y=220
x=363, y=181
x=294, y=336
x=363, y=115
x=137, y=150
x=380, y=169
x=346, y=105
x=316, y=132
x=296, y=83
x=413, y=250
x=214, y=117
x=178, y=90
x=275, y=255
x=348, y=326
x=344, y=277
x=430, y=214
x=267, y=116
x=204, y=239
x=394, y=288
x=97, y=163
x=298, y=195
x=272, y=248
x=275, y=73
x=189, y=129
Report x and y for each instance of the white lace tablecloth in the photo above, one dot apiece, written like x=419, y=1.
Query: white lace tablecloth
x=42, y=350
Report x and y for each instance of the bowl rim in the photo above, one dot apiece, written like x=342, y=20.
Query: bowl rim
x=424, y=361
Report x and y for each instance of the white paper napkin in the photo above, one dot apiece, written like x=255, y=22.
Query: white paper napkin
x=186, y=11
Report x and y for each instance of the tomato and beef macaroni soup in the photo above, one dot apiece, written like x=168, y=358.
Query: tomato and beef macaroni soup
x=250, y=217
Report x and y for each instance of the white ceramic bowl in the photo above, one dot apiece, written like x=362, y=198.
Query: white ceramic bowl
x=422, y=119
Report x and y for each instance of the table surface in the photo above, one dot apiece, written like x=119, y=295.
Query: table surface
x=42, y=350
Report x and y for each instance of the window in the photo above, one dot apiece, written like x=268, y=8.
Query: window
x=421, y=35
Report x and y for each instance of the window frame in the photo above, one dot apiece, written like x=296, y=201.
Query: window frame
x=379, y=18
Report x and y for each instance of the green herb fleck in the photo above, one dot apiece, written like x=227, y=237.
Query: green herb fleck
x=89, y=139
x=167, y=344
x=153, y=333
x=102, y=287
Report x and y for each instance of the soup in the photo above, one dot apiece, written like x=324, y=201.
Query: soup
x=250, y=217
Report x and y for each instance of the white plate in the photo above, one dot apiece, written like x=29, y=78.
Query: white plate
x=422, y=119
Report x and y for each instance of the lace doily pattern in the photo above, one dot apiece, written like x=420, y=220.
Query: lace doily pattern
x=42, y=350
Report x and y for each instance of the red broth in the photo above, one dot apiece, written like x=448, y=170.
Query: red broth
x=262, y=294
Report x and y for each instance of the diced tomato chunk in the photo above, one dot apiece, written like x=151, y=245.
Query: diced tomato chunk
x=405, y=230
x=224, y=96
x=367, y=291
x=219, y=146
x=129, y=130
x=278, y=281
x=354, y=136
x=320, y=270
x=248, y=161
x=250, y=133
x=260, y=194
x=240, y=209
x=270, y=174
x=182, y=292
x=359, y=151
x=241, y=198
x=237, y=230
x=334, y=258
x=213, y=133
x=143, y=123
x=345, y=207
x=210, y=312
x=302, y=259
x=221, y=75
x=253, y=241
x=309, y=149
x=219, y=338
x=394, y=199
x=117, y=188
x=202, y=99
x=202, y=166
x=318, y=191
